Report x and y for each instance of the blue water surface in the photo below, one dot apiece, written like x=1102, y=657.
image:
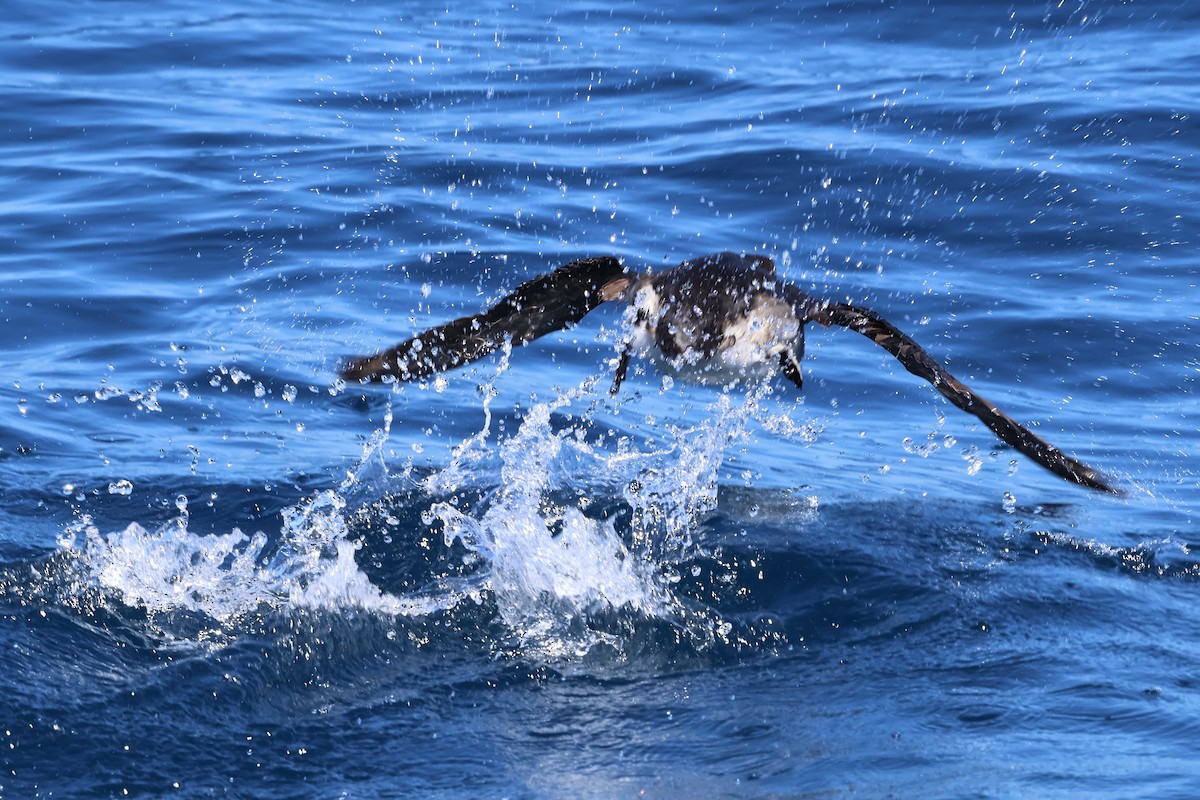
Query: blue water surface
x=226, y=573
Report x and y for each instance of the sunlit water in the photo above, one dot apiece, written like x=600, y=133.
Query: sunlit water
x=223, y=572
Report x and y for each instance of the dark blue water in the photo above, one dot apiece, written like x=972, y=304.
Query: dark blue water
x=223, y=573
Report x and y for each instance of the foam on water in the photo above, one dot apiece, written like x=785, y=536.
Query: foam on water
x=553, y=531
x=549, y=564
x=571, y=524
x=227, y=577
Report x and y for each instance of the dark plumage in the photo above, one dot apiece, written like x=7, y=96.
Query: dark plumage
x=714, y=319
x=543, y=305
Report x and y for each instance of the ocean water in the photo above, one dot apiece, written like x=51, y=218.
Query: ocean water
x=225, y=573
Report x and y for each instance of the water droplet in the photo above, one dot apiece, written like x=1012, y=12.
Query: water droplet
x=974, y=462
x=122, y=487
x=108, y=392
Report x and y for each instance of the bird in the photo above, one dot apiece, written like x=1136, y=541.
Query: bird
x=716, y=319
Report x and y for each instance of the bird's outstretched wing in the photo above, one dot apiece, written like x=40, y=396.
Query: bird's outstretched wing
x=537, y=307
x=920, y=363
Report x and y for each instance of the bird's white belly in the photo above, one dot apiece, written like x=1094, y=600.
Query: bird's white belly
x=748, y=351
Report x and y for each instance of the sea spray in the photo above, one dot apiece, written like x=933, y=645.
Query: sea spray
x=230, y=577
x=549, y=566
x=169, y=569
x=559, y=528
x=559, y=551
x=669, y=495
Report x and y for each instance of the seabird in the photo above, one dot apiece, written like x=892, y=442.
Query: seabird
x=715, y=319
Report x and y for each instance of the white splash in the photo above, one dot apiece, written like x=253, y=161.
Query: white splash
x=549, y=566
x=227, y=577
x=544, y=541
